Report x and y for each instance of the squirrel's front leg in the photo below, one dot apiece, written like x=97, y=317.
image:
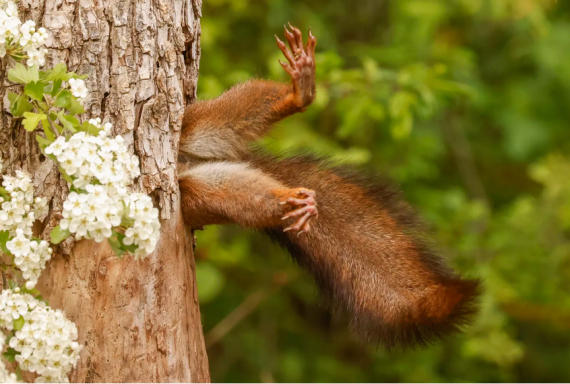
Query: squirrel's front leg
x=222, y=128
x=301, y=68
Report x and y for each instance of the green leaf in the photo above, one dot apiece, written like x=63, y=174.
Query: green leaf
x=128, y=248
x=65, y=176
x=75, y=107
x=89, y=128
x=34, y=291
x=42, y=105
x=21, y=74
x=31, y=120
x=127, y=222
x=62, y=100
x=35, y=89
x=58, y=235
x=57, y=73
x=43, y=142
x=4, y=238
x=4, y=194
x=72, y=119
x=19, y=104
x=10, y=355
x=18, y=373
x=47, y=131
x=19, y=323
x=402, y=127
x=56, y=87
x=401, y=103
x=116, y=245
x=12, y=97
x=69, y=122
x=72, y=75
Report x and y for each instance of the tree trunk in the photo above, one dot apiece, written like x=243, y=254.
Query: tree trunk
x=138, y=320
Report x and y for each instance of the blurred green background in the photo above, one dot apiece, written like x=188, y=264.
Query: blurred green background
x=465, y=105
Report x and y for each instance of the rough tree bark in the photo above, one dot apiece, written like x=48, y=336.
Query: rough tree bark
x=138, y=320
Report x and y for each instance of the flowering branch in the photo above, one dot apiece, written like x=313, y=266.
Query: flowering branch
x=100, y=206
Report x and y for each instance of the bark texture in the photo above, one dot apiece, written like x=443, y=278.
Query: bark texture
x=138, y=320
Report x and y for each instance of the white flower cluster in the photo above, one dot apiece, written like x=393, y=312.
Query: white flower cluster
x=102, y=169
x=5, y=375
x=22, y=209
x=18, y=36
x=78, y=88
x=145, y=230
x=46, y=342
x=32, y=42
x=93, y=214
x=30, y=256
x=17, y=216
x=101, y=159
x=9, y=24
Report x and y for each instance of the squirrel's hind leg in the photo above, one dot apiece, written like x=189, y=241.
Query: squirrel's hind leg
x=225, y=192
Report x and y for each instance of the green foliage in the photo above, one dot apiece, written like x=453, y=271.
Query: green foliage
x=19, y=323
x=44, y=94
x=10, y=355
x=58, y=235
x=19, y=104
x=463, y=104
x=21, y=74
x=4, y=238
x=63, y=99
x=31, y=120
x=118, y=246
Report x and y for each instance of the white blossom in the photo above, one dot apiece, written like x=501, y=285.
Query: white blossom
x=5, y=376
x=78, y=88
x=21, y=38
x=102, y=170
x=21, y=210
x=19, y=245
x=46, y=342
x=97, y=159
x=9, y=25
x=145, y=231
x=17, y=216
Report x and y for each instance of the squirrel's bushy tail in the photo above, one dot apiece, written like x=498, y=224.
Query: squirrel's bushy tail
x=368, y=259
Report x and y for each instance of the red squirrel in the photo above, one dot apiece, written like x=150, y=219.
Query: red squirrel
x=357, y=238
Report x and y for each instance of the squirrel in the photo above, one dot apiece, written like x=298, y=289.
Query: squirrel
x=358, y=239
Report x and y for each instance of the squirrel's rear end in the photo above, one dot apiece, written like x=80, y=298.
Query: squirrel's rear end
x=357, y=238
x=369, y=259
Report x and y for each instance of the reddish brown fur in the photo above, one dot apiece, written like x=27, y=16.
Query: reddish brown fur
x=368, y=259
x=222, y=192
x=363, y=249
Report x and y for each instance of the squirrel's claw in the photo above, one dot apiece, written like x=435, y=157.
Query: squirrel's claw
x=305, y=213
x=301, y=66
x=303, y=223
x=286, y=53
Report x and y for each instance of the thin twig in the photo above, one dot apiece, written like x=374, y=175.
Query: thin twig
x=463, y=153
x=53, y=128
x=242, y=311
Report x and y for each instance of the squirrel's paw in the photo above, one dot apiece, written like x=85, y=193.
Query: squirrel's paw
x=304, y=199
x=301, y=65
